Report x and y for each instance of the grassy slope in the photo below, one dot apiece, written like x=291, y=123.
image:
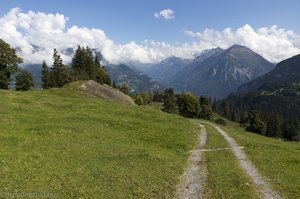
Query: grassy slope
x=277, y=160
x=226, y=179
x=75, y=146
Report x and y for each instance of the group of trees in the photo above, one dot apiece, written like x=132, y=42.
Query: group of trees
x=184, y=104
x=187, y=105
x=9, y=65
x=84, y=66
x=268, y=121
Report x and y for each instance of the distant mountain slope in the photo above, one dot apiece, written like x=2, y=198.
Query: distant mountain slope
x=222, y=72
x=166, y=69
x=285, y=72
x=276, y=93
x=123, y=74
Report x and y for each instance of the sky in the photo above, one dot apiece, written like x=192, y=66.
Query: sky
x=146, y=31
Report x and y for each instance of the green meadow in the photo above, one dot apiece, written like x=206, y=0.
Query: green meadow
x=75, y=146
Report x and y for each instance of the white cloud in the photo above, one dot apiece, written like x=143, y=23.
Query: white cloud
x=273, y=43
x=48, y=31
x=167, y=14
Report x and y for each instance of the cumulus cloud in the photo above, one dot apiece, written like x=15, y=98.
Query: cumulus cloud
x=167, y=14
x=273, y=43
x=27, y=31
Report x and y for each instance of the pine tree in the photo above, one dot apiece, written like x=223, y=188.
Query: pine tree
x=102, y=76
x=46, y=76
x=60, y=74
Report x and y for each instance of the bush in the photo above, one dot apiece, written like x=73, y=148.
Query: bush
x=24, y=81
x=188, y=105
x=220, y=121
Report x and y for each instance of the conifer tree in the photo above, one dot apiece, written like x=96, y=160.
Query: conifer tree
x=46, y=76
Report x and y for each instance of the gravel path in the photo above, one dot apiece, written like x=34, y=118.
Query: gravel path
x=257, y=179
x=193, y=178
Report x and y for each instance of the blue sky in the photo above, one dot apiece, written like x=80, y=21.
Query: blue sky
x=127, y=31
x=127, y=20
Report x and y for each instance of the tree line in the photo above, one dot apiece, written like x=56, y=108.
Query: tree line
x=185, y=104
x=85, y=66
x=265, y=115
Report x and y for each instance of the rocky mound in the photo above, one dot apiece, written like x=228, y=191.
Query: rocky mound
x=105, y=92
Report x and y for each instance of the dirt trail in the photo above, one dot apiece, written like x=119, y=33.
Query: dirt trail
x=192, y=181
x=257, y=179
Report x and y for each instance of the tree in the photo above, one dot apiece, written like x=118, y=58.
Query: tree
x=225, y=109
x=8, y=63
x=60, y=74
x=169, y=101
x=101, y=75
x=46, y=76
x=83, y=64
x=188, y=105
x=256, y=124
x=204, y=101
x=24, y=81
x=273, y=125
x=125, y=89
x=206, y=112
x=214, y=105
x=291, y=130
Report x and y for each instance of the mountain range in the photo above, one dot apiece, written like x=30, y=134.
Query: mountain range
x=275, y=94
x=119, y=73
x=214, y=72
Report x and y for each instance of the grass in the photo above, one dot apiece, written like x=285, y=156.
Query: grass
x=225, y=179
x=62, y=142
x=276, y=159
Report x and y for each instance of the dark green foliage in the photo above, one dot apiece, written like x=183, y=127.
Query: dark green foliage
x=124, y=88
x=220, y=121
x=61, y=74
x=214, y=105
x=206, y=112
x=158, y=96
x=87, y=66
x=277, y=96
x=169, y=101
x=188, y=105
x=273, y=124
x=8, y=63
x=143, y=98
x=24, y=81
x=256, y=124
x=291, y=130
x=83, y=64
x=46, y=76
x=204, y=101
x=102, y=76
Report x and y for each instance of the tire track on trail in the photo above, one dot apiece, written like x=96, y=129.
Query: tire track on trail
x=191, y=185
x=257, y=179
